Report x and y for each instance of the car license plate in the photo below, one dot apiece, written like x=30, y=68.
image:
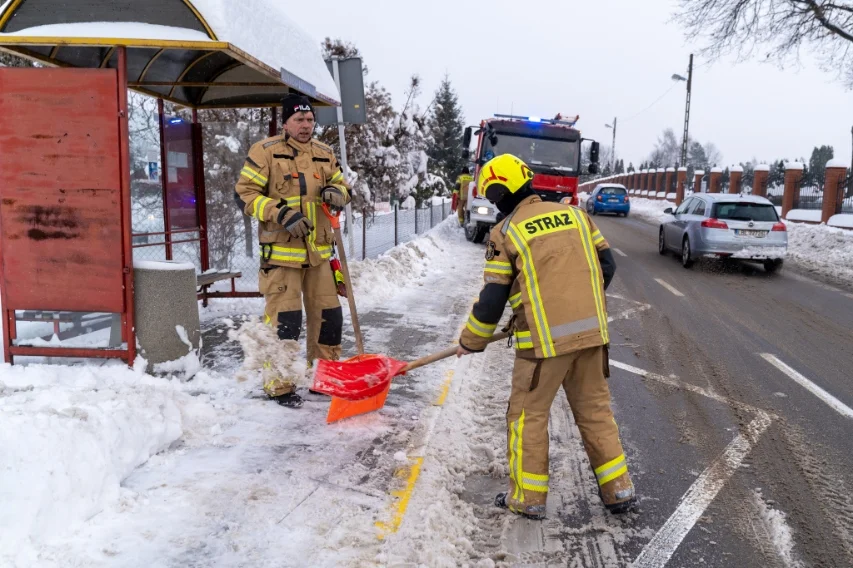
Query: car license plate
x=613, y=200
x=748, y=233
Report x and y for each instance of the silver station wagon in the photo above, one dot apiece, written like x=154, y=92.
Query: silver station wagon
x=724, y=226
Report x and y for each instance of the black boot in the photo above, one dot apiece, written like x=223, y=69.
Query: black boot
x=536, y=513
x=290, y=400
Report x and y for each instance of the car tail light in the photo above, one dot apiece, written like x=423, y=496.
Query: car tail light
x=627, y=199
x=714, y=224
x=780, y=227
x=599, y=198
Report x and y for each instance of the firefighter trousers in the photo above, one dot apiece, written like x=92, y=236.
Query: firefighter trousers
x=535, y=383
x=460, y=209
x=285, y=291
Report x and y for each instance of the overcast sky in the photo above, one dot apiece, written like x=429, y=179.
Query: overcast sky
x=599, y=59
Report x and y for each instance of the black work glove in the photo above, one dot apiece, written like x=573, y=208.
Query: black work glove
x=333, y=197
x=294, y=222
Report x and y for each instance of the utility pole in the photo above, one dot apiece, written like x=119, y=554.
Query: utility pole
x=613, y=149
x=687, y=114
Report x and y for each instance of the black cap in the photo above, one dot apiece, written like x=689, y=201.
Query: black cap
x=293, y=103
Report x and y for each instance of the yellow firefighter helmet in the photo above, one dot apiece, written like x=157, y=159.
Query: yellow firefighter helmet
x=501, y=176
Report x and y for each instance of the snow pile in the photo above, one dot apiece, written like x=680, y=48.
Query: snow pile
x=375, y=280
x=775, y=524
x=823, y=250
x=651, y=210
x=264, y=351
x=841, y=220
x=69, y=436
x=805, y=215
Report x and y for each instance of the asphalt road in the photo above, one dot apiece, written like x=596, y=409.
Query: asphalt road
x=721, y=437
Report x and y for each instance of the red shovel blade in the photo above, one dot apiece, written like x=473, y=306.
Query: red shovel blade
x=355, y=379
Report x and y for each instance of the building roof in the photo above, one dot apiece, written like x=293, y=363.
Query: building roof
x=199, y=53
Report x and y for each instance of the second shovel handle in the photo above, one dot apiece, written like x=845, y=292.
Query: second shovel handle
x=449, y=352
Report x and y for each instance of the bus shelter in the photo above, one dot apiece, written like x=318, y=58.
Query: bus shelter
x=66, y=238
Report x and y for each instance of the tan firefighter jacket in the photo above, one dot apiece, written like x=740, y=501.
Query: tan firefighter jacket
x=462, y=185
x=286, y=173
x=543, y=260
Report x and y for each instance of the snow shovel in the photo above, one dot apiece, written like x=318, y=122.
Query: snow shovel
x=339, y=241
x=361, y=384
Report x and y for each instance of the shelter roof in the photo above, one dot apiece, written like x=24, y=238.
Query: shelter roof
x=199, y=53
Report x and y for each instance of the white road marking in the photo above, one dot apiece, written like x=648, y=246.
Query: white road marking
x=833, y=402
x=669, y=287
x=659, y=550
x=674, y=382
x=663, y=545
x=619, y=252
x=629, y=312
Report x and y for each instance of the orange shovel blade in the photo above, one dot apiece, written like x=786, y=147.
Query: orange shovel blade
x=341, y=408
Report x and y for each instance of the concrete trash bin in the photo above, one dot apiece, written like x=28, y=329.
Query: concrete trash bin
x=167, y=324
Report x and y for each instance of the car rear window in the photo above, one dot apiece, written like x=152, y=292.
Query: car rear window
x=613, y=191
x=745, y=212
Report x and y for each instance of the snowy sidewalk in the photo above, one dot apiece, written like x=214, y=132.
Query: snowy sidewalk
x=242, y=481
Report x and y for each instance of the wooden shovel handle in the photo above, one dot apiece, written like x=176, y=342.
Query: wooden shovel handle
x=449, y=352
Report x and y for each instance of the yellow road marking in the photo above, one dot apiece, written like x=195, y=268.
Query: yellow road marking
x=445, y=388
x=412, y=471
x=402, y=497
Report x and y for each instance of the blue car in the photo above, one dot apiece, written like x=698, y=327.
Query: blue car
x=609, y=198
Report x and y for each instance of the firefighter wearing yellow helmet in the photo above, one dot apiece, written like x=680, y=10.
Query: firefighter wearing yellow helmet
x=551, y=264
x=461, y=192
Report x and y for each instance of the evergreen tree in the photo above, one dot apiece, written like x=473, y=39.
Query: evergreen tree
x=446, y=125
x=817, y=165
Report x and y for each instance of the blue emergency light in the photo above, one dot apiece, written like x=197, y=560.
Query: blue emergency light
x=538, y=120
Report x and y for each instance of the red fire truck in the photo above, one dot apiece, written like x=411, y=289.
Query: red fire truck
x=550, y=147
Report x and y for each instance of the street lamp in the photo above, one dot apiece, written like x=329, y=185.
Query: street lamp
x=689, y=81
x=612, y=148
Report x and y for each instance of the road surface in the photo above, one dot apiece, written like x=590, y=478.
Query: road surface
x=739, y=353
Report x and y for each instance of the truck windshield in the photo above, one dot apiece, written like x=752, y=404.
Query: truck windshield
x=543, y=155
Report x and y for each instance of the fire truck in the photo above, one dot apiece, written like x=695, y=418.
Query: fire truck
x=550, y=147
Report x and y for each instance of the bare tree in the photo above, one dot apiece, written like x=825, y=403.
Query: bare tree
x=781, y=27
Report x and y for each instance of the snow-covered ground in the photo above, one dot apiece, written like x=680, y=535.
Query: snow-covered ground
x=107, y=466
x=824, y=251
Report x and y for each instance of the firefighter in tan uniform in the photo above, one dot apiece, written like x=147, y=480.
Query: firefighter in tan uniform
x=462, y=182
x=284, y=183
x=550, y=262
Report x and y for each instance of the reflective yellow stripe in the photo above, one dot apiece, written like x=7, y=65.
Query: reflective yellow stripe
x=532, y=283
x=325, y=251
x=267, y=319
x=479, y=328
x=523, y=340
x=534, y=482
x=611, y=470
x=293, y=201
x=337, y=178
x=253, y=176
x=515, y=301
x=285, y=254
x=498, y=267
x=594, y=274
x=621, y=471
x=259, y=206
x=518, y=493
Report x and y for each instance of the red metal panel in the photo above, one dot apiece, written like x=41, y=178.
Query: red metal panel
x=60, y=190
